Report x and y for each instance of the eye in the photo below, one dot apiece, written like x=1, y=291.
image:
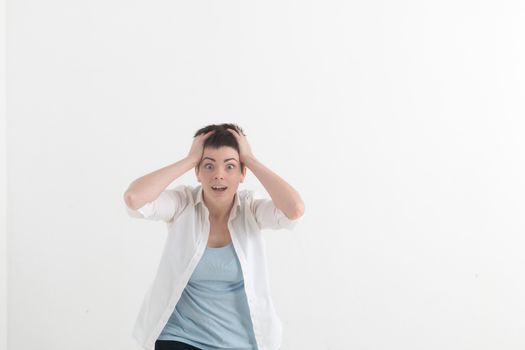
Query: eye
x=207, y=167
x=232, y=166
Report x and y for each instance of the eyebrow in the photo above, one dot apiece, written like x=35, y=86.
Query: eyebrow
x=224, y=160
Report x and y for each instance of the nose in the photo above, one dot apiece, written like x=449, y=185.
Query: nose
x=218, y=175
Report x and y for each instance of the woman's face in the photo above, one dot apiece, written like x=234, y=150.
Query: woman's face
x=222, y=168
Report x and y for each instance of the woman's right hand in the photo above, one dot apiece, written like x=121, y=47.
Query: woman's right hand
x=197, y=146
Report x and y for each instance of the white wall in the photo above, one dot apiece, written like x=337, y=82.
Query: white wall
x=3, y=184
x=400, y=123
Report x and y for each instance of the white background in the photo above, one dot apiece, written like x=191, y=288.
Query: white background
x=399, y=122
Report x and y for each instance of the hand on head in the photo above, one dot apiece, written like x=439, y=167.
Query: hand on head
x=197, y=147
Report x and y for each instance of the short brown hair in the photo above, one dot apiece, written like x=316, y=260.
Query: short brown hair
x=221, y=137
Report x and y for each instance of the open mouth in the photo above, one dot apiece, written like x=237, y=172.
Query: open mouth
x=219, y=188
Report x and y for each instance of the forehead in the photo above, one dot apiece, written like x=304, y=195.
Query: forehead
x=221, y=153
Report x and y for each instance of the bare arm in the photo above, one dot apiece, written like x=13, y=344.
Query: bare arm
x=285, y=197
x=148, y=187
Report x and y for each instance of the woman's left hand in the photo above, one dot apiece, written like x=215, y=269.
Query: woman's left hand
x=245, y=151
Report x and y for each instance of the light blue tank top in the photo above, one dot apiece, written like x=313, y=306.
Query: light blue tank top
x=213, y=312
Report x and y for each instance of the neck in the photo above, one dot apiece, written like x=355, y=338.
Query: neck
x=219, y=211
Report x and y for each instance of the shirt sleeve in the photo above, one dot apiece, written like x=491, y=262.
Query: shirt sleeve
x=167, y=207
x=268, y=216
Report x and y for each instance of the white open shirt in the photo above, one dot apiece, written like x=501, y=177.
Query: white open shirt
x=188, y=225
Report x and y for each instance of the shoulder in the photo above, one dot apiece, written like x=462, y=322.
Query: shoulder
x=246, y=196
x=184, y=193
x=245, y=193
x=249, y=198
x=184, y=189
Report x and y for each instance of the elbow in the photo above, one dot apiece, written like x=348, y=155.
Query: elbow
x=299, y=211
x=129, y=200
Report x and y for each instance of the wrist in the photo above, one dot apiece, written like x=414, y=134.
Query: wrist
x=249, y=161
x=193, y=161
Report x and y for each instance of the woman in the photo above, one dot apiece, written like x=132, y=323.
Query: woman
x=211, y=290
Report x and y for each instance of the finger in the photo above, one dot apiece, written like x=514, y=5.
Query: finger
x=208, y=133
x=204, y=135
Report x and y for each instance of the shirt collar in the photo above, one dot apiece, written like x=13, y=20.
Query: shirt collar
x=236, y=204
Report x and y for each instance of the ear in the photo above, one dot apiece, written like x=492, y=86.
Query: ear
x=243, y=174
